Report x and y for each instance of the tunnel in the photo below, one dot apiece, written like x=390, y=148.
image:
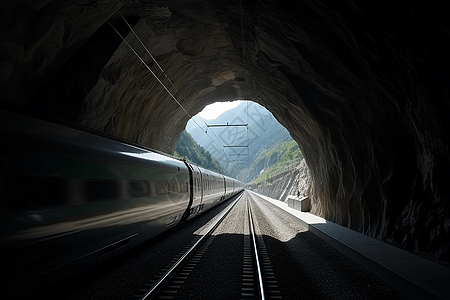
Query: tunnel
x=362, y=87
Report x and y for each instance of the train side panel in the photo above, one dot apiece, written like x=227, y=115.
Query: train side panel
x=196, y=191
x=229, y=187
x=70, y=199
x=213, y=188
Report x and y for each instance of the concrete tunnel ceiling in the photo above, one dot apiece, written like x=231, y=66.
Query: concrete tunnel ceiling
x=363, y=87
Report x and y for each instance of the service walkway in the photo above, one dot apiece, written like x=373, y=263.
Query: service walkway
x=414, y=276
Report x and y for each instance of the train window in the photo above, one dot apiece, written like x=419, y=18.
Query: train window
x=139, y=188
x=186, y=188
x=180, y=187
x=27, y=193
x=173, y=186
x=162, y=187
x=101, y=189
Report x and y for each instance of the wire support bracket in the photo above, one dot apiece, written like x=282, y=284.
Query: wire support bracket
x=236, y=146
x=226, y=125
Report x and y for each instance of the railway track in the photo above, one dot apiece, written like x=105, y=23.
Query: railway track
x=258, y=280
x=175, y=274
x=232, y=262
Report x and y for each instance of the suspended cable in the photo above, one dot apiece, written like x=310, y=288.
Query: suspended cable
x=248, y=141
x=157, y=78
x=162, y=71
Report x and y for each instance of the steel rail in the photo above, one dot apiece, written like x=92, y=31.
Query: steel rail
x=151, y=292
x=255, y=250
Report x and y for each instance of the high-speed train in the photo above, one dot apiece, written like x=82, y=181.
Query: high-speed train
x=71, y=199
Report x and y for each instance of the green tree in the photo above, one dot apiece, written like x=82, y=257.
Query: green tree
x=276, y=159
x=188, y=149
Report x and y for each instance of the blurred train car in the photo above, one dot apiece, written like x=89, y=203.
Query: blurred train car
x=70, y=199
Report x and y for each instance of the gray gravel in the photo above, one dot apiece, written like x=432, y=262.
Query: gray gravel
x=305, y=266
x=219, y=274
x=122, y=276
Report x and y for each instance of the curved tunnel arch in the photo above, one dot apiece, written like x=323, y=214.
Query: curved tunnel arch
x=362, y=88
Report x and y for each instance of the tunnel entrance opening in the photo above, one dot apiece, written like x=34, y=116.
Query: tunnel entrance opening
x=362, y=87
x=245, y=139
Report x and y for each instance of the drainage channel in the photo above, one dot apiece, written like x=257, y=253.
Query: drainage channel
x=170, y=279
x=258, y=279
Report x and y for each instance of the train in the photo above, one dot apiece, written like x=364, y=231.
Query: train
x=71, y=199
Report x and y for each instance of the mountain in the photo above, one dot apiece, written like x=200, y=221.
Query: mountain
x=274, y=161
x=188, y=149
x=236, y=146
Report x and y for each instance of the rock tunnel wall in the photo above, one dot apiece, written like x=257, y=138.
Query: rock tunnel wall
x=362, y=87
x=291, y=182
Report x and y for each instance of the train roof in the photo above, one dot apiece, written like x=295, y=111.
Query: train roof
x=45, y=134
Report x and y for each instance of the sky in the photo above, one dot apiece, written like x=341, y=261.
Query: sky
x=214, y=110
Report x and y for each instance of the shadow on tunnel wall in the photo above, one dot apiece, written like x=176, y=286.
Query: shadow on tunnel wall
x=363, y=87
x=61, y=96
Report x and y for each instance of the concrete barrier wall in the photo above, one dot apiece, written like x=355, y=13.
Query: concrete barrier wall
x=295, y=182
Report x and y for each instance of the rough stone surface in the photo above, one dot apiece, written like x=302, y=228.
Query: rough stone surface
x=363, y=87
x=288, y=183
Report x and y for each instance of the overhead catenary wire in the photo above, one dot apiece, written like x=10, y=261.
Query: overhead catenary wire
x=171, y=83
x=151, y=71
x=164, y=73
x=148, y=51
x=248, y=141
x=157, y=78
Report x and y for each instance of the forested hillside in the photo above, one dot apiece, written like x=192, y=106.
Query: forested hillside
x=275, y=160
x=261, y=134
x=188, y=149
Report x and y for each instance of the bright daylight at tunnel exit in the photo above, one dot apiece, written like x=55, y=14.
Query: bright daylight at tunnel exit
x=243, y=140
x=224, y=149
